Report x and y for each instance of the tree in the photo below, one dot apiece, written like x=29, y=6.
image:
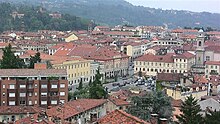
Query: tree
x=34, y=59
x=9, y=60
x=80, y=87
x=156, y=102
x=212, y=117
x=96, y=90
x=190, y=112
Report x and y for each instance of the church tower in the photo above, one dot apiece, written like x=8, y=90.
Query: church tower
x=200, y=50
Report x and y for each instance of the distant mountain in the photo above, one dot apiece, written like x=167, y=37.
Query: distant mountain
x=114, y=12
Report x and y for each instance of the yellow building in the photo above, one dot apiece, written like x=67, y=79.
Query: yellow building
x=196, y=92
x=77, y=69
x=70, y=37
x=151, y=64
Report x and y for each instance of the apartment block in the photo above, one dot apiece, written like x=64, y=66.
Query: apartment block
x=33, y=87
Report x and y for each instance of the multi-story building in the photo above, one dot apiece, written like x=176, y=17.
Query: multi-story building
x=114, y=63
x=78, y=69
x=212, y=68
x=170, y=63
x=40, y=87
x=135, y=49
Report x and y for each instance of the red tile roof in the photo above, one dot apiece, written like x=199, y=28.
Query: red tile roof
x=74, y=107
x=168, y=58
x=120, y=117
x=212, y=63
x=215, y=48
x=200, y=79
x=32, y=72
x=185, y=55
x=105, y=54
x=118, y=101
x=168, y=77
x=33, y=119
x=8, y=110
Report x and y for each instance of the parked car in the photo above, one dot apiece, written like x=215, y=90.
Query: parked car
x=115, y=84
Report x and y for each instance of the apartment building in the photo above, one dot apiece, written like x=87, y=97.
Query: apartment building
x=212, y=68
x=33, y=87
x=151, y=64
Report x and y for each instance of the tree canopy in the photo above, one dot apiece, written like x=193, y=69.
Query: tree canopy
x=152, y=103
x=93, y=90
x=34, y=59
x=190, y=112
x=34, y=19
x=9, y=60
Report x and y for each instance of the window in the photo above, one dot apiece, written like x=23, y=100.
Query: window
x=22, y=94
x=35, y=93
x=62, y=101
x=12, y=118
x=3, y=94
x=11, y=86
x=35, y=102
x=44, y=94
x=62, y=93
x=30, y=102
x=62, y=85
x=11, y=102
x=200, y=43
x=207, y=58
x=54, y=102
x=3, y=102
x=54, y=86
x=22, y=86
x=3, y=86
x=11, y=94
x=35, y=85
x=44, y=86
x=22, y=102
x=43, y=102
x=29, y=94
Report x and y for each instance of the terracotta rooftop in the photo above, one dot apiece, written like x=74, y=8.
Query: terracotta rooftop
x=212, y=63
x=185, y=55
x=200, y=79
x=168, y=58
x=32, y=72
x=33, y=119
x=118, y=101
x=176, y=103
x=74, y=107
x=120, y=117
x=8, y=110
x=215, y=48
x=104, y=54
x=168, y=77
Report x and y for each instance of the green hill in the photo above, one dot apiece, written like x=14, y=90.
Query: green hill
x=114, y=12
x=34, y=19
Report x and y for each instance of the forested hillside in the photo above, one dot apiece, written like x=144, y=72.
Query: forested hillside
x=114, y=12
x=34, y=19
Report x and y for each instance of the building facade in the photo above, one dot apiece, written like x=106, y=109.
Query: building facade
x=170, y=63
x=33, y=87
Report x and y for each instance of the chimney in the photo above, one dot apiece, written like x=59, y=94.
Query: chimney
x=163, y=121
x=40, y=66
x=154, y=119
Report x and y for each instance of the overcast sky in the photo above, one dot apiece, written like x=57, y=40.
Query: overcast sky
x=192, y=5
